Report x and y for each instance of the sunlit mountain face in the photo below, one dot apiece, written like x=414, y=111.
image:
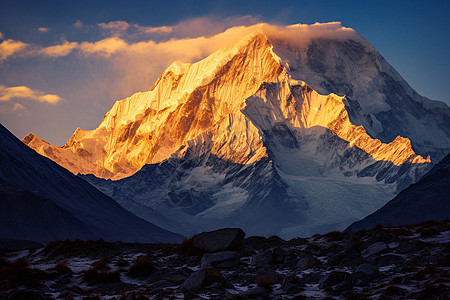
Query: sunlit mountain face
x=291, y=131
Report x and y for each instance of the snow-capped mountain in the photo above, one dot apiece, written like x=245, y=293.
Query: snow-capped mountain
x=425, y=200
x=41, y=201
x=273, y=134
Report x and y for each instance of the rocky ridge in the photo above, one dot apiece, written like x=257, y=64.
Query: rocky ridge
x=383, y=263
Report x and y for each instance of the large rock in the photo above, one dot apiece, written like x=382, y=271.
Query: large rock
x=375, y=248
x=334, y=279
x=266, y=278
x=368, y=269
x=255, y=293
x=263, y=259
x=225, y=259
x=201, y=279
x=219, y=240
x=307, y=262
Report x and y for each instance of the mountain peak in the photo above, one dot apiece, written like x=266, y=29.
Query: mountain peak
x=190, y=99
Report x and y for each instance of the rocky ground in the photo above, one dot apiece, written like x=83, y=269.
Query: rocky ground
x=409, y=262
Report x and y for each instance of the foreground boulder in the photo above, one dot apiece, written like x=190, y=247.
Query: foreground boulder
x=225, y=259
x=219, y=240
x=393, y=270
x=202, y=279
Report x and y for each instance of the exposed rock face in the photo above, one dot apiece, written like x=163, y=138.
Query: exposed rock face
x=268, y=135
x=425, y=200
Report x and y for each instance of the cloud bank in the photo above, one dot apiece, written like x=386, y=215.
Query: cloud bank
x=189, y=39
x=93, y=65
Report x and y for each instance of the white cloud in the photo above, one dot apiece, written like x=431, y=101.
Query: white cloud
x=23, y=92
x=104, y=47
x=59, y=50
x=1, y=36
x=43, y=29
x=117, y=66
x=10, y=47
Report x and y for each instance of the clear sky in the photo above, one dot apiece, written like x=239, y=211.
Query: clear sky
x=63, y=64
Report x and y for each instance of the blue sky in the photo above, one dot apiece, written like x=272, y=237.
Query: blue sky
x=61, y=90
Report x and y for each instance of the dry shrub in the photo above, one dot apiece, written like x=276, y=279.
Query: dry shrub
x=101, y=264
x=61, y=268
x=396, y=280
x=377, y=228
x=20, y=273
x=313, y=246
x=401, y=231
x=187, y=247
x=141, y=267
x=93, y=276
x=77, y=247
x=92, y=297
x=430, y=224
x=334, y=236
x=394, y=291
x=422, y=274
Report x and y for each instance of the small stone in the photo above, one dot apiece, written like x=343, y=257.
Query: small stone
x=6, y=285
x=338, y=259
x=292, y=285
x=312, y=278
x=405, y=247
x=360, y=279
x=25, y=294
x=279, y=254
x=389, y=259
x=162, y=284
x=264, y=258
x=333, y=278
x=266, y=278
x=368, y=269
x=122, y=263
x=177, y=276
x=255, y=293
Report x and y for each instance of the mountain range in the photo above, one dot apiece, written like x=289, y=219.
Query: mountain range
x=41, y=201
x=293, y=131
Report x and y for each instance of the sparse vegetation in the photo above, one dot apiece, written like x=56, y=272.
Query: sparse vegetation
x=141, y=267
x=187, y=247
x=334, y=236
x=406, y=266
x=93, y=276
x=61, y=268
